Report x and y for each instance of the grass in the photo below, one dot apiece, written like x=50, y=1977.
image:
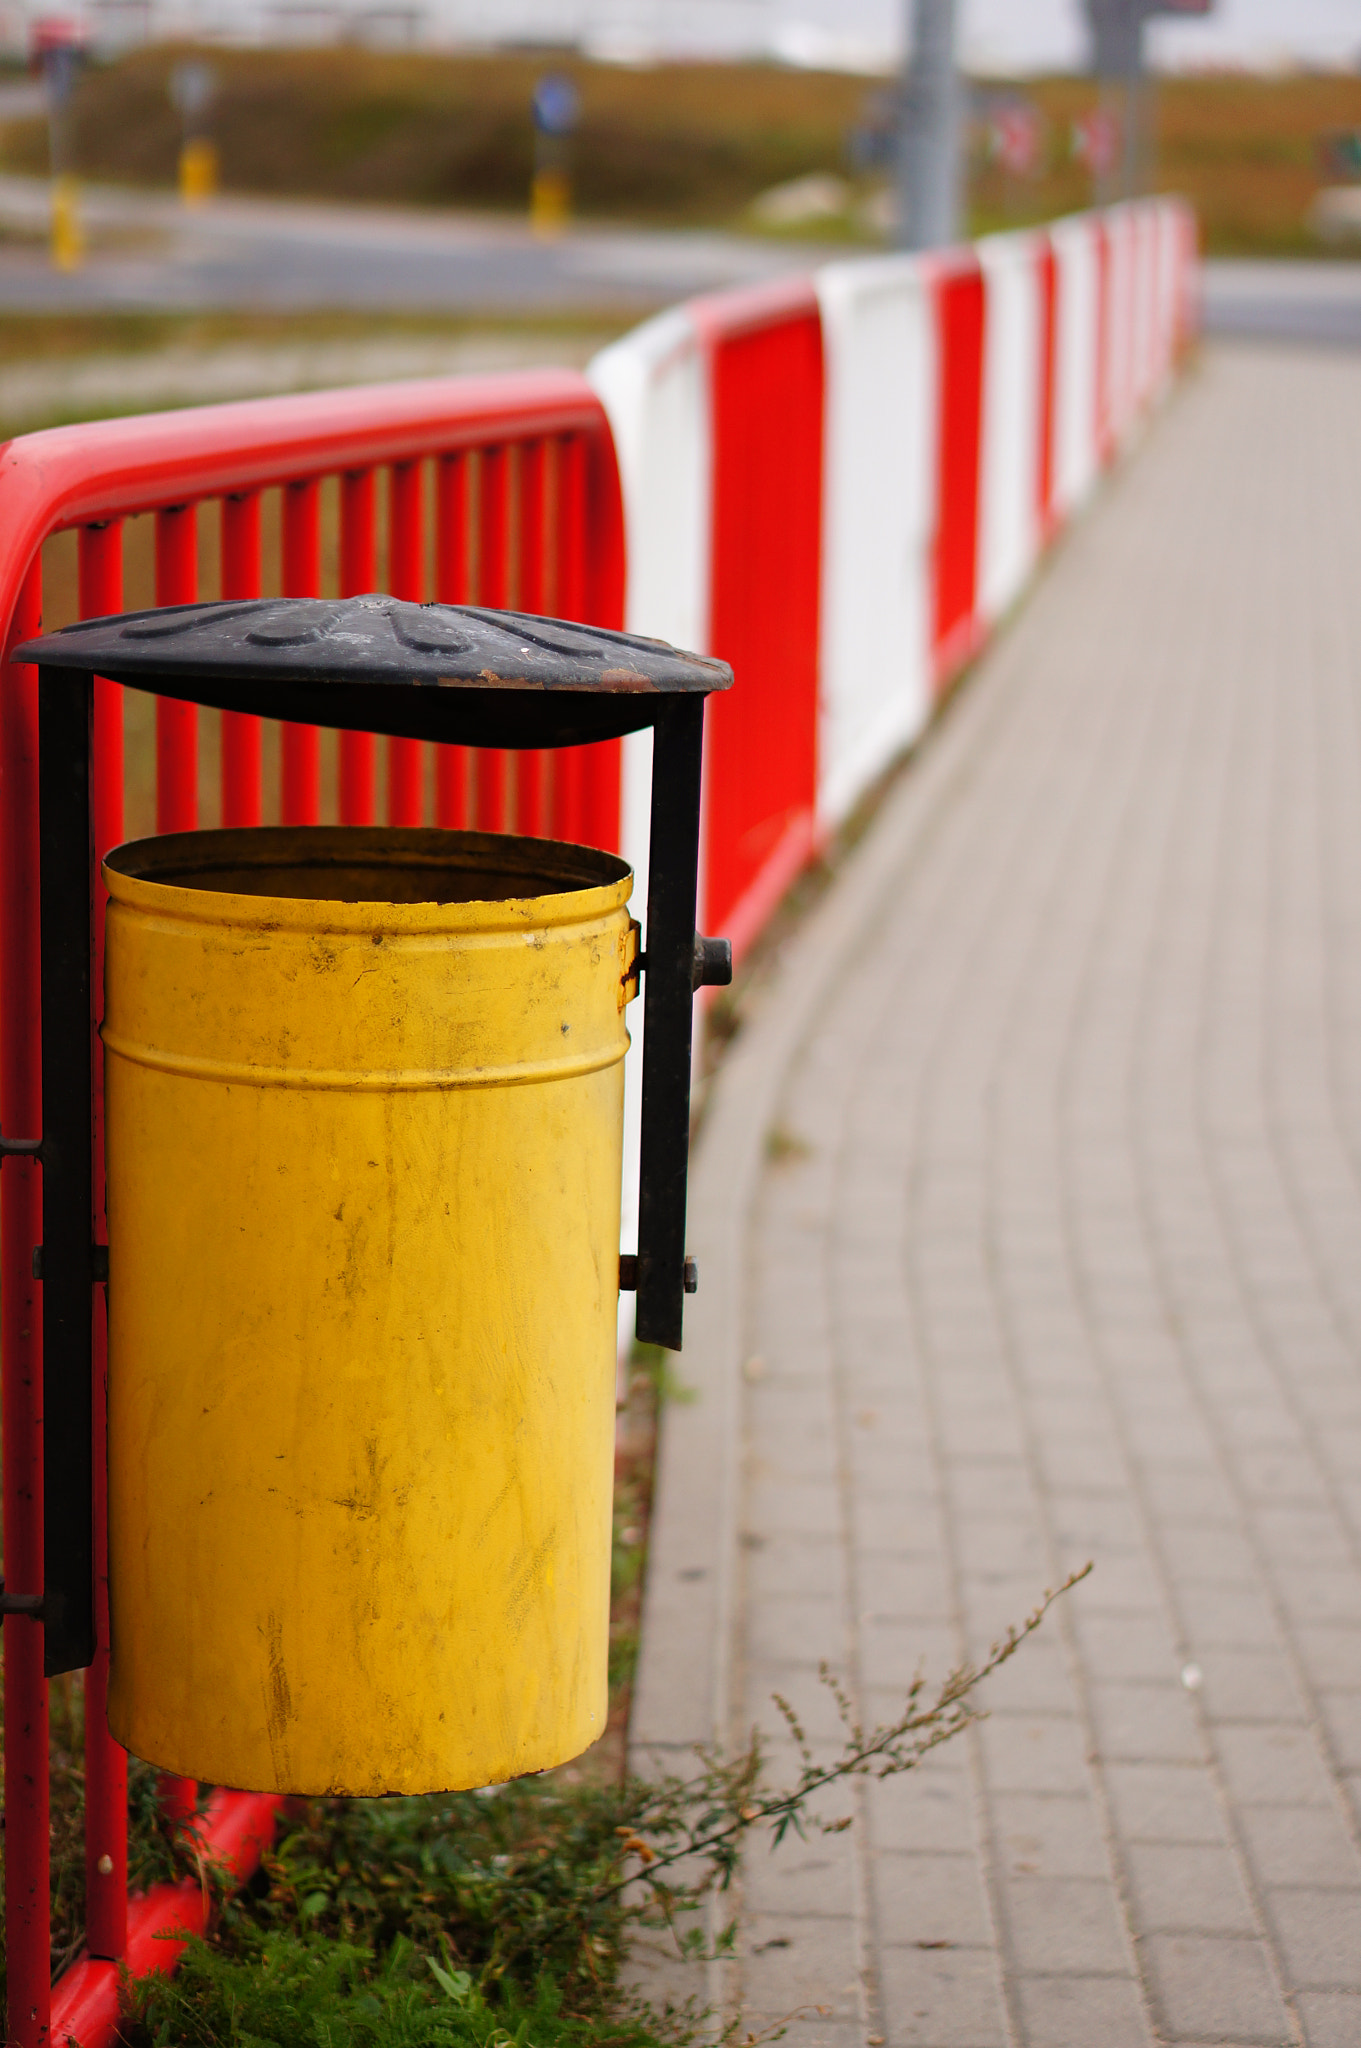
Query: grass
x=26, y=337
x=307, y=1990
x=688, y=143
x=201, y=358
x=676, y=144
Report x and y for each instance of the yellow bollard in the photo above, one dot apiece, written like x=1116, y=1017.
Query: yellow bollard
x=68, y=236
x=364, y=1140
x=550, y=202
x=198, y=171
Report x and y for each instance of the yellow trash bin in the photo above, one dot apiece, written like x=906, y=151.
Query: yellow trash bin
x=364, y=1132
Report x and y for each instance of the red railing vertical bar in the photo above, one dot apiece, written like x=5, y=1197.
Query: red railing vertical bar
x=595, y=554
x=27, y=1921
x=451, y=587
x=176, y=724
x=241, y=731
x=406, y=556
x=531, y=766
x=300, y=793
x=493, y=579
x=603, y=527
x=569, y=763
x=358, y=573
x=176, y=811
x=106, y=1763
x=603, y=534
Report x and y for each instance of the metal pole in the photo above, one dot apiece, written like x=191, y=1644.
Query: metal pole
x=930, y=133
x=1117, y=28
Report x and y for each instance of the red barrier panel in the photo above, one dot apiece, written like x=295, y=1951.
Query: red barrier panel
x=90, y=478
x=961, y=309
x=1044, y=469
x=765, y=349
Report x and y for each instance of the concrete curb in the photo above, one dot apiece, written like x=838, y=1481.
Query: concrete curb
x=682, y=1693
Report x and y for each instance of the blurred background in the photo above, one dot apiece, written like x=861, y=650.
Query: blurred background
x=206, y=198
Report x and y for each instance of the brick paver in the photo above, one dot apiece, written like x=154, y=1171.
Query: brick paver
x=1059, y=1258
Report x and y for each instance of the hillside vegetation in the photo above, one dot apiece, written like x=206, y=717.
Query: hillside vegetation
x=685, y=144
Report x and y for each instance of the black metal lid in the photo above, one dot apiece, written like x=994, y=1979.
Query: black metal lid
x=380, y=664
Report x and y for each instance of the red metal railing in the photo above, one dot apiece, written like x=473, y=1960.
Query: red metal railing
x=525, y=492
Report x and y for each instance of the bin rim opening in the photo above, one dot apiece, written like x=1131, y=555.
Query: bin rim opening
x=356, y=866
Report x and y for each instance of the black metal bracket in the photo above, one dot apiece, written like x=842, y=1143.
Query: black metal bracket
x=99, y=1262
x=21, y=1603
x=678, y=740
x=713, y=964
x=628, y=1273
x=20, y=1148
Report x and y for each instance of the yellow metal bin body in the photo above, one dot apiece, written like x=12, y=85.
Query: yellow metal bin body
x=364, y=1129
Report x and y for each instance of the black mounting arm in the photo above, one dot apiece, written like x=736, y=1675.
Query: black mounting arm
x=679, y=961
x=65, y=706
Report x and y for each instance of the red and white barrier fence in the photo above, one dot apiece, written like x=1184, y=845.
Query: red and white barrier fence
x=838, y=483
x=841, y=483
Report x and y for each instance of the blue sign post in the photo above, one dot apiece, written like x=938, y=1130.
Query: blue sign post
x=556, y=108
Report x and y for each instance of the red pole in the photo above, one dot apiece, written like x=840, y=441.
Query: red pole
x=358, y=574
x=531, y=766
x=26, y=1811
x=598, y=566
x=300, y=802
x=406, y=758
x=451, y=587
x=494, y=593
x=176, y=724
x=176, y=807
x=106, y=1763
x=569, y=766
x=241, y=777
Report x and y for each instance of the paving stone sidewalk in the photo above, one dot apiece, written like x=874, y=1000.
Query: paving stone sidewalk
x=1056, y=1255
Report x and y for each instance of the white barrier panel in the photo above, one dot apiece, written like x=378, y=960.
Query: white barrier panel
x=1077, y=332
x=1013, y=404
x=1167, y=262
x=1119, y=336
x=654, y=387
x=879, y=468
x=1187, y=322
x=1143, y=229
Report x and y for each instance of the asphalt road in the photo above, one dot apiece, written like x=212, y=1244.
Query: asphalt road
x=148, y=253
x=1288, y=301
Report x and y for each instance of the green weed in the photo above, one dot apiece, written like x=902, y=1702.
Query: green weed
x=290, y=1991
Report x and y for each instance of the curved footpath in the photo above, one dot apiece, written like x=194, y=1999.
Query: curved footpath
x=1057, y=1255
